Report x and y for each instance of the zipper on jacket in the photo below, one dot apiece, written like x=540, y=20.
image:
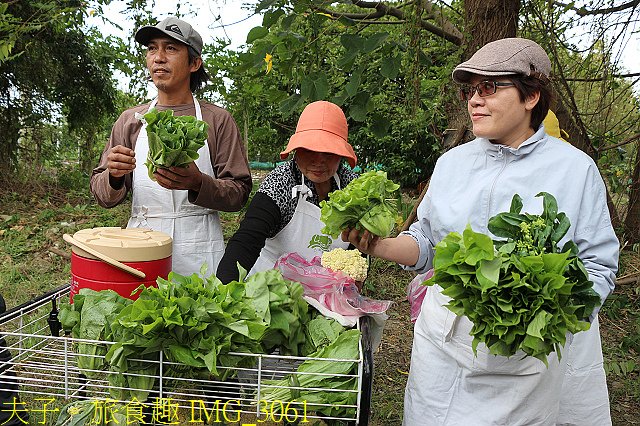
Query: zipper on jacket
x=495, y=180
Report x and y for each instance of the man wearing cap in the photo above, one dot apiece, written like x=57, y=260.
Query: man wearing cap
x=506, y=88
x=284, y=214
x=183, y=201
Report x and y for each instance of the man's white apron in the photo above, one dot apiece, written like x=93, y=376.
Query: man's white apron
x=305, y=226
x=196, y=231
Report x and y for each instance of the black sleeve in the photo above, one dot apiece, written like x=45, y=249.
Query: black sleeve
x=262, y=217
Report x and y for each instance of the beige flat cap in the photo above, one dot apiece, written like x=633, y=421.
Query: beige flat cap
x=507, y=56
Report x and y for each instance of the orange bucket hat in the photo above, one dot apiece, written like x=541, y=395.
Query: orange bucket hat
x=322, y=127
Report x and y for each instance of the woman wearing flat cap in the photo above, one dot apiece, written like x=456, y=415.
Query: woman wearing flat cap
x=506, y=87
x=284, y=214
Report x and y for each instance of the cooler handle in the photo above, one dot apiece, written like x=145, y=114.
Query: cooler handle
x=107, y=259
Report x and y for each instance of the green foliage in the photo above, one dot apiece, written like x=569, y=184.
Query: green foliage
x=616, y=166
x=631, y=342
x=315, y=374
x=59, y=74
x=621, y=368
x=192, y=320
x=370, y=73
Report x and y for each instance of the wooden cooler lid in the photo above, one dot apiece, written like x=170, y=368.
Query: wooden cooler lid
x=125, y=245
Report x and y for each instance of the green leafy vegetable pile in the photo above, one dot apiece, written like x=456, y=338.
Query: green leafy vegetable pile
x=522, y=293
x=368, y=202
x=95, y=309
x=314, y=374
x=193, y=321
x=173, y=141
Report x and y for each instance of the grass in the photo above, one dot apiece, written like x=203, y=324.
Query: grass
x=34, y=215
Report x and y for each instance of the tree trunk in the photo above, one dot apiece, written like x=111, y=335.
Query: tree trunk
x=489, y=20
x=9, y=139
x=632, y=221
x=86, y=145
x=486, y=21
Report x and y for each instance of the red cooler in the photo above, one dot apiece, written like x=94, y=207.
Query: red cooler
x=142, y=249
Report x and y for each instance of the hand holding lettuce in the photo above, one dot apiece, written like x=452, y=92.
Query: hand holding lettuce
x=368, y=202
x=173, y=141
x=523, y=293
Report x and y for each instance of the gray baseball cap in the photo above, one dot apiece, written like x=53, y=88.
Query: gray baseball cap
x=507, y=56
x=174, y=28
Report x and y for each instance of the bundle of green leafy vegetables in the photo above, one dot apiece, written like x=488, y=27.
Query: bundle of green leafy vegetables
x=309, y=383
x=173, y=140
x=521, y=293
x=195, y=322
x=370, y=202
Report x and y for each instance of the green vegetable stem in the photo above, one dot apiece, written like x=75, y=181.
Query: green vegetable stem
x=522, y=293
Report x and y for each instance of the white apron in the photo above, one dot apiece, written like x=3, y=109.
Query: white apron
x=196, y=231
x=585, y=399
x=449, y=386
x=303, y=229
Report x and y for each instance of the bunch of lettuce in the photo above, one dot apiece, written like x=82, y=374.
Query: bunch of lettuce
x=89, y=317
x=309, y=383
x=368, y=202
x=173, y=141
x=522, y=293
x=195, y=322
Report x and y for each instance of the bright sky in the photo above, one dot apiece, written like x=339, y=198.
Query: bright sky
x=211, y=18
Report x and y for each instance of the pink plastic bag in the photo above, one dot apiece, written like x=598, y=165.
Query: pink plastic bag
x=335, y=291
x=416, y=292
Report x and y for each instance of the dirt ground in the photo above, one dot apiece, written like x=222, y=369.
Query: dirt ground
x=391, y=364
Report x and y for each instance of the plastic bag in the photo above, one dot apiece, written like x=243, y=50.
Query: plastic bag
x=334, y=292
x=416, y=292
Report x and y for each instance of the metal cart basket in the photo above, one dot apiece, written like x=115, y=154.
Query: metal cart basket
x=44, y=367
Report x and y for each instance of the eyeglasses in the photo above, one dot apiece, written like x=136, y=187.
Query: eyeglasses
x=484, y=88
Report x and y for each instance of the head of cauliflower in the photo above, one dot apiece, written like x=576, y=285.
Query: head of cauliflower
x=350, y=262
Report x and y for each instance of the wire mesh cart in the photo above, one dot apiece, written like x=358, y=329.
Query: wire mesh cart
x=43, y=366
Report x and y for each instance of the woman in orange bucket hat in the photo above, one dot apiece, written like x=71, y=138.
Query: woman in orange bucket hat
x=284, y=214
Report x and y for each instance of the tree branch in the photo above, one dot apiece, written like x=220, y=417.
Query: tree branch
x=582, y=11
x=635, y=74
x=628, y=141
x=629, y=279
x=447, y=31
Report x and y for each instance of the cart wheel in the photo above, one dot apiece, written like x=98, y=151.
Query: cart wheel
x=367, y=371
